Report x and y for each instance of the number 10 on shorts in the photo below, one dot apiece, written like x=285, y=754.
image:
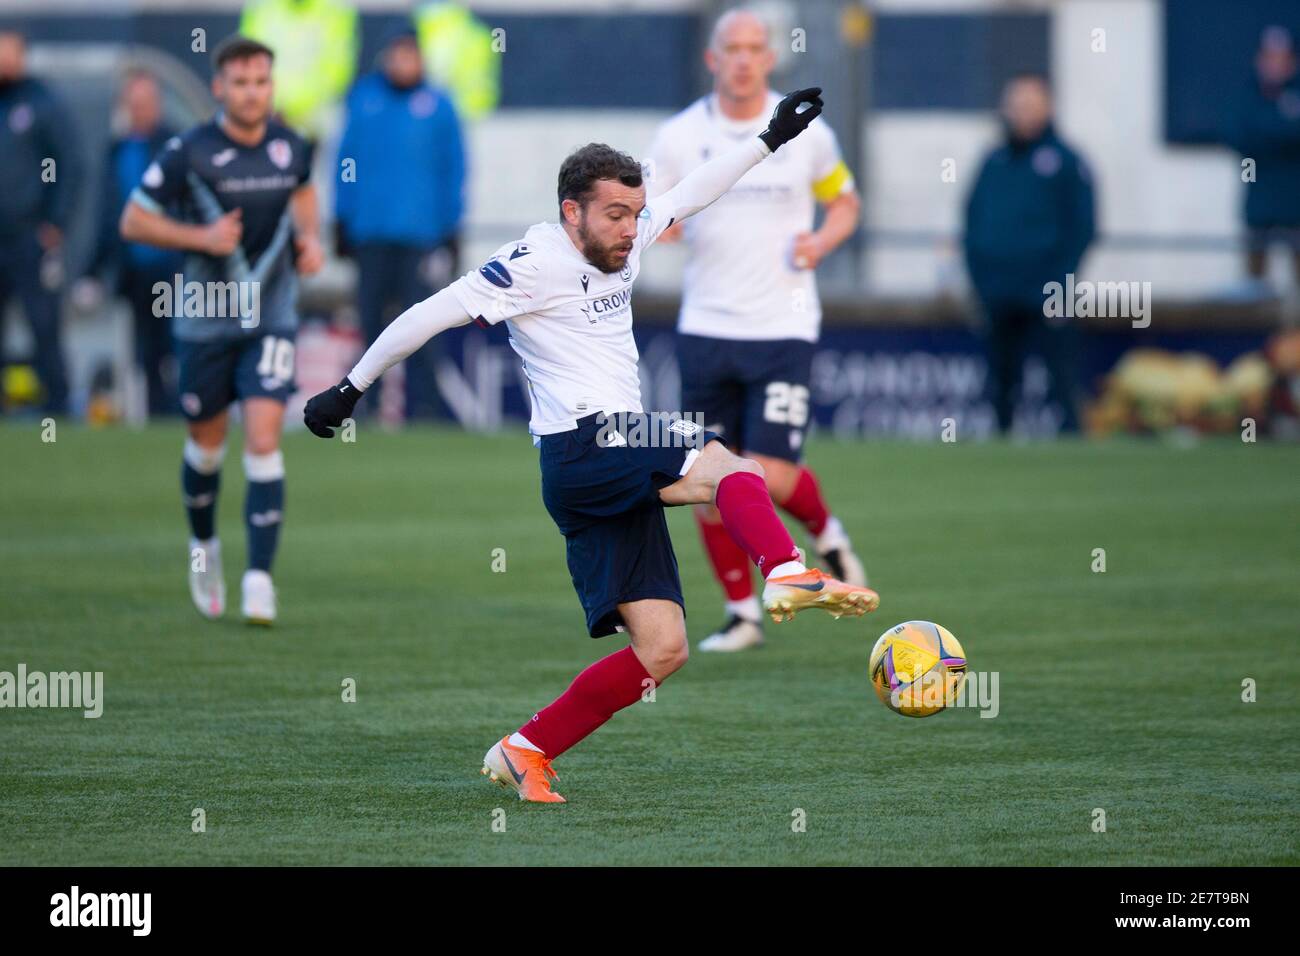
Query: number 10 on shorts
x=277, y=359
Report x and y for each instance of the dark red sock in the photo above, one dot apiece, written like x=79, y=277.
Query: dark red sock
x=750, y=519
x=730, y=563
x=806, y=503
x=599, y=692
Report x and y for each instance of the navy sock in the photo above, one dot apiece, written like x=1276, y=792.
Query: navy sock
x=263, y=507
x=200, y=482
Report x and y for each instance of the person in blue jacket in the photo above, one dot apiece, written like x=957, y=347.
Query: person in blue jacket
x=39, y=171
x=1266, y=130
x=134, y=268
x=399, y=200
x=1029, y=220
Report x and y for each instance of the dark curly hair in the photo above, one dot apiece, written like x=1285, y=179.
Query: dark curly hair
x=595, y=161
x=237, y=47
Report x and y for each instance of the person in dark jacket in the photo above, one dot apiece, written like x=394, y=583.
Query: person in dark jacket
x=133, y=268
x=399, y=199
x=1029, y=221
x=40, y=170
x=1266, y=130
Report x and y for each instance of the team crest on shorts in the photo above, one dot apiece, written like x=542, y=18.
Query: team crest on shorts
x=280, y=153
x=190, y=402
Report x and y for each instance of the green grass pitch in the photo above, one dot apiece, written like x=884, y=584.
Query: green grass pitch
x=1119, y=690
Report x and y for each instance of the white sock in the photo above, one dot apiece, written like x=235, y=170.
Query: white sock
x=833, y=536
x=786, y=569
x=746, y=609
x=519, y=740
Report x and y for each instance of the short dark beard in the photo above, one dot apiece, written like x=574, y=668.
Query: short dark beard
x=602, y=257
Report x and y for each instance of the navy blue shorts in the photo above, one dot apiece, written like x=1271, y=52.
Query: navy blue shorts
x=600, y=483
x=214, y=374
x=754, y=394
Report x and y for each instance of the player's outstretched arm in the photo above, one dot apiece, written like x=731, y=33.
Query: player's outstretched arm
x=217, y=238
x=710, y=181
x=405, y=334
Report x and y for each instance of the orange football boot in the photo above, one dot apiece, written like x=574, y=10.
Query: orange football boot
x=528, y=772
x=785, y=596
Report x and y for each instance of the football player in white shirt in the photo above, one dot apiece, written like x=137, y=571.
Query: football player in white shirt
x=750, y=317
x=608, y=468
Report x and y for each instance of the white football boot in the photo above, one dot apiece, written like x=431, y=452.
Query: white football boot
x=837, y=551
x=207, y=582
x=258, y=602
x=737, y=634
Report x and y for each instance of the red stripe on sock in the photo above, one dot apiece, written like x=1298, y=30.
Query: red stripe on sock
x=729, y=561
x=597, y=694
x=751, y=520
x=806, y=503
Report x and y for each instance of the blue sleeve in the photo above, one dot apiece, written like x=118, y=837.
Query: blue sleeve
x=1260, y=128
x=306, y=151
x=974, y=210
x=450, y=167
x=58, y=136
x=1078, y=212
x=345, y=193
x=164, y=182
x=107, y=240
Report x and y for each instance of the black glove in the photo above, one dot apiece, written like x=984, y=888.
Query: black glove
x=786, y=123
x=326, y=411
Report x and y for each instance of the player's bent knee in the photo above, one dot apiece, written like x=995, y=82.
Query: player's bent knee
x=262, y=446
x=671, y=655
x=206, y=460
x=264, y=467
x=748, y=466
x=666, y=655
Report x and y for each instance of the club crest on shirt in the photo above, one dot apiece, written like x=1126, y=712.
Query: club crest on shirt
x=494, y=271
x=422, y=104
x=280, y=153
x=1046, y=160
x=20, y=118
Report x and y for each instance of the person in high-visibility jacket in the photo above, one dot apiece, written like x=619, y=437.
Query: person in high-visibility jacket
x=459, y=57
x=315, y=43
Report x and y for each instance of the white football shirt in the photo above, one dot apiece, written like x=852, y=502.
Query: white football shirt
x=570, y=323
x=741, y=281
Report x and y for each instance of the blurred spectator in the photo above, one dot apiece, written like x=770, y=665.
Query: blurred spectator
x=399, y=203
x=1029, y=220
x=132, y=268
x=458, y=57
x=39, y=170
x=315, y=43
x=1267, y=130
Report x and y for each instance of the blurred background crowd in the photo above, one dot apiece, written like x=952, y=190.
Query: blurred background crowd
x=1115, y=142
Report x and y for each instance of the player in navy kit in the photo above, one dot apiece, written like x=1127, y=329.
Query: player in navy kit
x=246, y=215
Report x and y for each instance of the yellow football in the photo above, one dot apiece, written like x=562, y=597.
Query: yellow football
x=917, y=667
